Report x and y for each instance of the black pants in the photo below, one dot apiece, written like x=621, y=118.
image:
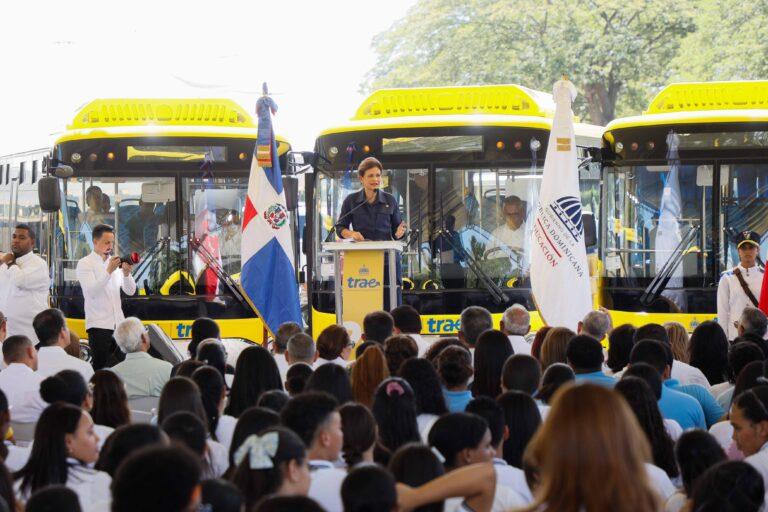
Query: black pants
x=104, y=351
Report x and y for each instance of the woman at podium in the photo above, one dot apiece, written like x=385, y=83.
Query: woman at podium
x=372, y=214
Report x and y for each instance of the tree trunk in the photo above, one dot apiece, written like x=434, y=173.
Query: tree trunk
x=601, y=104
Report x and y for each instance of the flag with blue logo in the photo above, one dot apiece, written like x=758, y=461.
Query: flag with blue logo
x=268, y=276
x=559, y=271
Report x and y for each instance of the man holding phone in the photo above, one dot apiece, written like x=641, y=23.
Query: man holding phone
x=102, y=275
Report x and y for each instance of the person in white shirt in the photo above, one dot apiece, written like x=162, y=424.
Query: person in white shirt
x=749, y=417
x=314, y=418
x=596, y=324
x=51, y=329
x=511, y=234
x=65, y=444
x=279, y=345
x=24, y=283
x=408, y=321
x=14, y=457
x=19, y=381
x=142, y=374
x=740, y=286
x=102, y=276
x=516, y=323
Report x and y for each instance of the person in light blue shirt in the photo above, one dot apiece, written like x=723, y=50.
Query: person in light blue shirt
x=673, y=404
x=585, y=356
x=454, y=365
x=142, y=374
x=712, y=410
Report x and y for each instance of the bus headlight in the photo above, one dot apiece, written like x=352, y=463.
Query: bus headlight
x=76, y=158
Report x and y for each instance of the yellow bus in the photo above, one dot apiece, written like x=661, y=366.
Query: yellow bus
x=719, y=188
x=451, y=156
x=170, y=175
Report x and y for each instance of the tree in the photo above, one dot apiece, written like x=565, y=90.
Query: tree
x=728, y=44
x=605, y=49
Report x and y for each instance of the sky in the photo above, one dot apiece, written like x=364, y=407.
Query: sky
x=58, y=56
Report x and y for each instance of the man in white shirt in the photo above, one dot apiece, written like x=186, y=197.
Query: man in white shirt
x=515, y=323
x=142, y=374
x=313, y=417
x=102, y=276
x=739, y=287
x=19, y=381
x=408, y=322
x=24, y=283
x=279, y=345
x=511, y=234
x=51, y=329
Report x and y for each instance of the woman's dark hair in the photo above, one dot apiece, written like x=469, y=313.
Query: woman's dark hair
x=398, y=349
x=455, y=432
x=274, y=400
x=416, y=464
x=47, y=463
x=454, y=365
x=124, y=441
x=362, y=347
x=66, y=386
x=251, y=421
x=747, y=378
x=754, y=403
x=212, y=392
x=221, y=495
x=296, y=378
x=255, y=373
x=740, y=355
x=369, y=489
x=293, y=503
x=620, y=342
x=186, y=428
x=425, y=382
x=643, y=403
x=394, y=407
x=648, y=374
x=54, y=498
x=555, y=376
x=181, y=394
x=438, y=346
x=332, y=379
x=538, y=341
x=359, y=427
x=521, y=372
x=186, y=368
x=522, y=418
x=202, y=329
x=213, y=354
x=366, y=164
x=332, y=341
x=257, y=483
x=708, y=347
x=491, y=352
x=696, y=451
x=110, y=402
x=731, y=486
x=7, y=494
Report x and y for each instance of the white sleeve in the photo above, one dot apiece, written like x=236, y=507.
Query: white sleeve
x=91, y=278
x=29, y=277
x=129, y=284
x=723, y=303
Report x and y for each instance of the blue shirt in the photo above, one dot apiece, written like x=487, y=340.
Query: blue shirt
x=712, y=410
x=375, y=221
x=457, y=400
x=596, y=378
x=682, y=408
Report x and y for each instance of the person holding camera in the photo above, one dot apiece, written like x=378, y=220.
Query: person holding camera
x=102, y=275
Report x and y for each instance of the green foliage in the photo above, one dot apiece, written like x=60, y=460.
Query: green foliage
x=618, y=55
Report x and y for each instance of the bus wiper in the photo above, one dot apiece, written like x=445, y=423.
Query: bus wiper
x=495, y=290
x=146, y=259
x=223, y=275
x=659, y=283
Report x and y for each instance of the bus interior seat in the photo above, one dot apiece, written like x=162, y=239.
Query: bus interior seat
x=162, y=346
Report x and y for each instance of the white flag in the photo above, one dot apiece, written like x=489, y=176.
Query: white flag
x=559, y=271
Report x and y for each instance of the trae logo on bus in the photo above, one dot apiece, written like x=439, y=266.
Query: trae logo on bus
x=276, y=216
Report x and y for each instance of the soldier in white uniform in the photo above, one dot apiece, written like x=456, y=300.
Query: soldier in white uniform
x=740, y=286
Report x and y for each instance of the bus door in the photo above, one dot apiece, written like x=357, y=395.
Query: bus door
x=743, y=206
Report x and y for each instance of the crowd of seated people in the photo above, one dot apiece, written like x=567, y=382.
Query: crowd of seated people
x=490, y=420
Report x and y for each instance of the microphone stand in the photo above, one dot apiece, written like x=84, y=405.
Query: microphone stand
x=333, y=228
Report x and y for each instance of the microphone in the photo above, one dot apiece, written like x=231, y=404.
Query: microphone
x=333, y=229
x=131, y=259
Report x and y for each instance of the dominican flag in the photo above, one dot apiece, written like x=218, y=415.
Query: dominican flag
x=559, y=273
x=268, y=276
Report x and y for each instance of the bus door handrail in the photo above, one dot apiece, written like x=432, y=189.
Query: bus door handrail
x=659, y=283
x=223, y=275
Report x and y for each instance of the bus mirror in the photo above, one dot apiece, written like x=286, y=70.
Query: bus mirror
x=63, y=171
x=291, y=188
x=590, y=229
x=48, y=194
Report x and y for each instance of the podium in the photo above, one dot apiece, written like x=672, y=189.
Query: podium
x=358, y=273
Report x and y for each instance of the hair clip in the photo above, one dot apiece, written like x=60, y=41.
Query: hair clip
x=438, y=454
x=394, y=387
x=260, y=450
